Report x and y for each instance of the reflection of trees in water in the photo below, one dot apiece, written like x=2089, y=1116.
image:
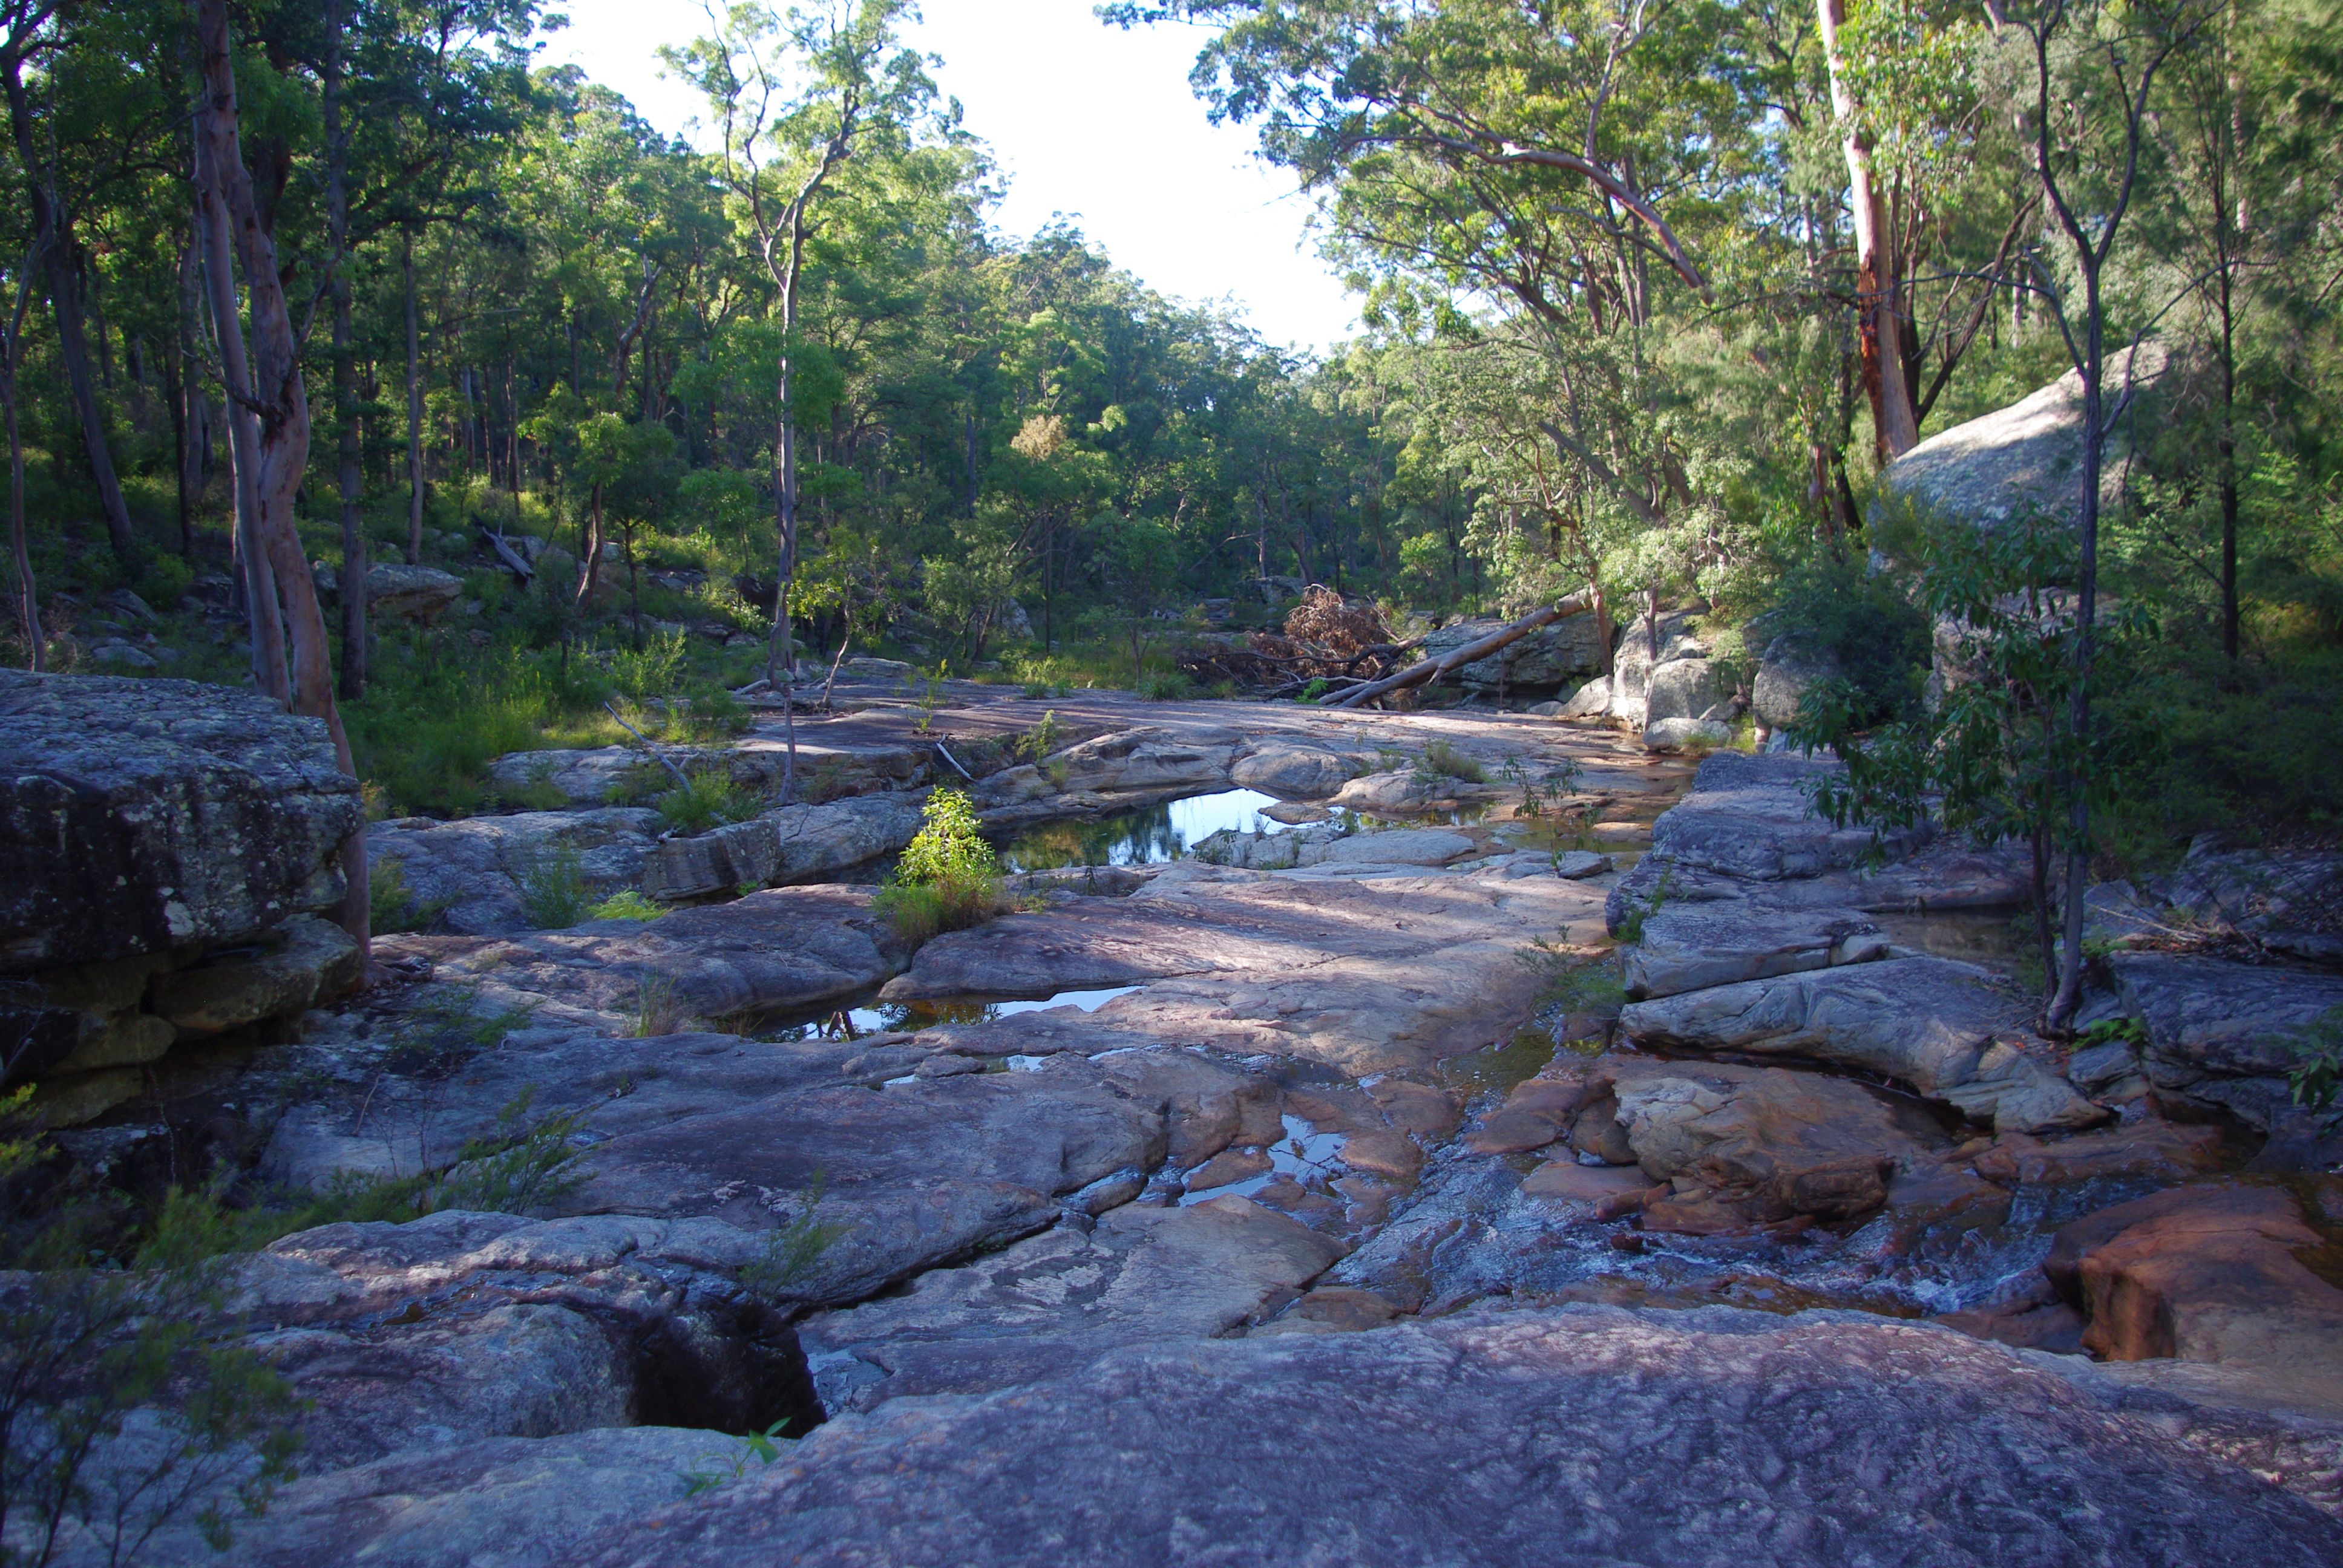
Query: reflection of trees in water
x=1127, y=839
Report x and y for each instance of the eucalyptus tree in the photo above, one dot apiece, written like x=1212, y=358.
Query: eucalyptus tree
x=793, y=97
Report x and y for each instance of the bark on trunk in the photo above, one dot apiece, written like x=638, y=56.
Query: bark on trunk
x=346, y=371
x=274, y=388
x=1892, y=418
x=413, y=411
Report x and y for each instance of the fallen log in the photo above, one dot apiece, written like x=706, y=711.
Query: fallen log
x=1432, y=669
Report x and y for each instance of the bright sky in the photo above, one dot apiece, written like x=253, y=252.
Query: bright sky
x=1086, y=120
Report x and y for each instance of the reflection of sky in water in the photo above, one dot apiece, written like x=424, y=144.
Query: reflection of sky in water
x=1144, y=837
x=918, y=1015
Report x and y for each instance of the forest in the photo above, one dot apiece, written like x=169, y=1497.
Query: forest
x=1652, y=291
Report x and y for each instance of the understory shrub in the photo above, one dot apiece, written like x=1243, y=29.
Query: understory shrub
x=947, y=880
x=627, y=904
x=553, y=893
x=707, y=799
x=1442, y=760
x=1854, y=623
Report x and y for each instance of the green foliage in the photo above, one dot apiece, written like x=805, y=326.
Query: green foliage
x=1577, y=982
x=1043, y=738
x=554, y=895
x=2318, y=1074
x=107, y=1320
x=946, y=879
x=1856, y=625
x=1164, y=686
x=1440, y=760
x=629, y=904
x=707, y=799
x=792, y=1251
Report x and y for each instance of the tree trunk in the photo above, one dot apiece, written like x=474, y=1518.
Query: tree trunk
x=414, y=411
x=1892, y=419
x=28, y=604
x=345, y=370
x=275, y=388
x=1432, y=669
x=60, y=259
x=2087, y=606
x=590, y=577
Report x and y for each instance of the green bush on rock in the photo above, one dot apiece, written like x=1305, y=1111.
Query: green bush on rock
x=948, y=878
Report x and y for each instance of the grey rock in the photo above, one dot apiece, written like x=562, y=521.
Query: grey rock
x=793, y=844
x=473, y=876
x=416, y=595
x=300, y=963
x=1678, y=734
x=140, y=816
x=1052, y=1300
x=1948, y=1030
x=1439, y=1442
x=1753, y=816
x=1690, y=946
x=1544, y=660
x=2027, y=457
x=1783, y=680
x=1633, y=663
x=2226, y=1033
x=1296, y=772
x=507, y=1503
x=1686, y=688
x=123, y=654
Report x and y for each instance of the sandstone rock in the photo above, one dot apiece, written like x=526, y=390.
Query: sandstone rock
x=1398, y=789
x=1687, y=734
x=2223, y=1033
x=1943, y=876
x=1690, y=946
x=1294, y=772
x=1149, y=759
x=1414, y=1108
x=1760, y=1143
x=2024, y=458
x=304, y=961
x=793, y=844
x=2151, y=1148
x=2292, y=901
x=514, y=1503
x=788, y=948
x=142, y=816
x=1226, y=1168
x=2208, y=1274
x=1382, y=1152
x=1568, y=1182
x=1688, y=688
x=1437, y=1442
x=1055, y=1301
x=1633, y=660
x=479, y=876
x=416, y=595
x=1753, y=816
x=1398, y=847
x=1946, y=1028
x=1782, y=682
x=1545, y=660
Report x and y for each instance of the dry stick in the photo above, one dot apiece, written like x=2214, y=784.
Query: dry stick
x=843, y=643
x=955, y=762
x=1455, y=659
x=647, y=746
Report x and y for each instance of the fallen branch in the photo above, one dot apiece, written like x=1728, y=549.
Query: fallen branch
x=1432, y=669
x=955, y=762
x=647, y=746
x=520, y=568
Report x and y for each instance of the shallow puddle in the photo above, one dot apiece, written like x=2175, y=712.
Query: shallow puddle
x=1150, y=837
x=1305, y=1154
x=910, y=1017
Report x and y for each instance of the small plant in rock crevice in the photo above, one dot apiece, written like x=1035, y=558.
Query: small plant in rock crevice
x=1440, y=760
x=629, y=904
x=946, y=879
x=554, y=895
x=707, y=799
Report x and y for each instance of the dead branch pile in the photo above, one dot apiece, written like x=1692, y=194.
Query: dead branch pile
x=1324, y=639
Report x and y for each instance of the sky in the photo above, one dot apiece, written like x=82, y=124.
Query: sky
x=1084, y=119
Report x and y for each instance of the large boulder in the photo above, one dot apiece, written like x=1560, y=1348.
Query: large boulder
x=1753, y=816
x=1783, y=677
x=1951, y=1030
x=417, y=595
x=792, y=844
x=1544, y=661
x=2228, y=1033
x=492, y=876
x=1633, y=662
x=1297, y=773
x=2208, y=1274
x=2026, y=457
x=144, y=815
x=1693, y=946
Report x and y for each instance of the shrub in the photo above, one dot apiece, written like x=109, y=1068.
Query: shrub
x=707, y=799
x=627, y=905
x=1853, y=621
x=1442, y=761
x=947, y=880
x=553, y=893
x=1164, y=686
x=392, y=904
